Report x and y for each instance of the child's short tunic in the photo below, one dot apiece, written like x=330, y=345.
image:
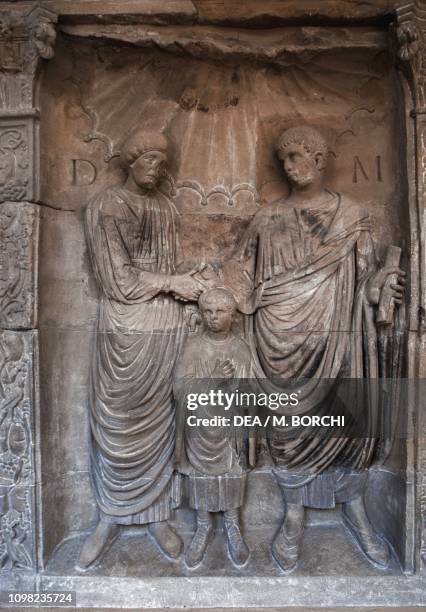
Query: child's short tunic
x=213, y=458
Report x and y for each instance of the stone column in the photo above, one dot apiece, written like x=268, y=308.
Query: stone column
x=411, y=50
x=25, y=41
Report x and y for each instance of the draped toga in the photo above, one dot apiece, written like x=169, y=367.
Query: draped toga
x=303, y=272
x=132, y=243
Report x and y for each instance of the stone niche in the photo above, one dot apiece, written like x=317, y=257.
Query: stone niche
x=222, y=86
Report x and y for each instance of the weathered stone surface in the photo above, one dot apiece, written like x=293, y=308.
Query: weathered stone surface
x=222, y=95
x=149, y=11
x=279, y=47
x=19, y=224
x=27, y=37
x=199, y=104
x=200, y=592
x=19, y=160
x=251, y=12
x=411, y=37
x=18, y=416
x=273, y=11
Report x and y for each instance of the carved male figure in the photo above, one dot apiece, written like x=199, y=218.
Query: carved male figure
x=131, y=235
x=313, y=291
x=214, y=458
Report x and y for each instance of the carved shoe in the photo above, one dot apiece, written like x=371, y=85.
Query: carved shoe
x=285, y=549
x=166, y=539
x=97, y=543
x=196, y=550
x=373, y=546
x=238, y=549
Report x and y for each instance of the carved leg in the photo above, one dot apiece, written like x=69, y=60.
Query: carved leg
x=195, y=553
x=285, y=547
x=97, y=543
x=356, y=520
x=166, y=538
x=238, y=549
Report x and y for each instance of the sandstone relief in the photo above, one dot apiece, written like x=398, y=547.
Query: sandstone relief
x=18, y=244
x=16, y=453
x=296, y=252
x=196, y=196
x=221, y=207
x=15, y=162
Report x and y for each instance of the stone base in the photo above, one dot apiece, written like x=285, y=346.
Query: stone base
x=231, y=592
x=128, y=576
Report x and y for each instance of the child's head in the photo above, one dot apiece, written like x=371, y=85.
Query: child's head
x=217, y=307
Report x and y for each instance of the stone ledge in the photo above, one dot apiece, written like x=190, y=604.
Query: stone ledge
x=262, y=12
x=197, y=592
x=149, y=11
x=251, y=13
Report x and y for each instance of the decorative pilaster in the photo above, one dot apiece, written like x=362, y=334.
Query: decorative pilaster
x=25, y=41
x=411, y=49
x=17, y=469
x=411, y=39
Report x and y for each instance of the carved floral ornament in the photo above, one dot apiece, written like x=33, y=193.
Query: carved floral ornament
x=17, y=230
x=14, y=163
x=15, y=454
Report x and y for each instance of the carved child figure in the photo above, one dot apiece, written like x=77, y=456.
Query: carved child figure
x=214, y=459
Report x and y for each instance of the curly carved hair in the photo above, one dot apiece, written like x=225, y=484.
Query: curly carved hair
x=312, y=141
x=218, y=293
x=141, y=142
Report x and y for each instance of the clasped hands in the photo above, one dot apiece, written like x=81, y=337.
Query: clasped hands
x=189, y=286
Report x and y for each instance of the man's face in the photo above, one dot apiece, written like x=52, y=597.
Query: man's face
x=217, y=315
x=148, y=168
x=301, y=168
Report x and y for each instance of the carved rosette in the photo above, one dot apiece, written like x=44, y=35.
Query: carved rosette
x=17, y=546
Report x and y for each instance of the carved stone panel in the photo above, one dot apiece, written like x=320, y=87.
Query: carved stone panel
x=222, y=121
x=18, y=264
x=17, y=480
x=18, y=160
x=171, y=166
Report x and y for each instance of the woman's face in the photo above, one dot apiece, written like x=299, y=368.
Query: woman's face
x=148, y=168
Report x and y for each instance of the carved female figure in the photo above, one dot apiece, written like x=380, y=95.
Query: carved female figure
x=131, y=236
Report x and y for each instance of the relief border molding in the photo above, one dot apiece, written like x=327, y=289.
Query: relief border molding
x=26, y=39
x=411, y=58
x=18, y=369
x=411, y=51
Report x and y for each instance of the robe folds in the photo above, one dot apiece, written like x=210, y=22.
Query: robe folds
x=132, y=243
x=213, y=458
x=302, y=273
